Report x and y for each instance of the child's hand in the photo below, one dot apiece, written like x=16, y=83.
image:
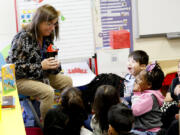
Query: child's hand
x=177, y=90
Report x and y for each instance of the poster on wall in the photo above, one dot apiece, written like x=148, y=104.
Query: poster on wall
x=115, y=15
x=24, y=11
x=76, y=38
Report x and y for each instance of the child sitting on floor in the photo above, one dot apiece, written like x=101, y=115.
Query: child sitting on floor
x=105, y=97
x=137, y=61
x=101, y=79
x=68, y=118
x=120, y=120
x=147, y=100
x=91, y=88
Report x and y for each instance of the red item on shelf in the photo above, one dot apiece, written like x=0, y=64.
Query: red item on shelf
x=119, y=39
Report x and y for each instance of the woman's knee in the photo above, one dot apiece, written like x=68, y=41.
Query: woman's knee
x=69, y=81
x=65, y=81
x=48, y=94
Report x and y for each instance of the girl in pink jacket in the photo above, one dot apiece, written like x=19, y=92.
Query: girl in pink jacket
x=147, y=100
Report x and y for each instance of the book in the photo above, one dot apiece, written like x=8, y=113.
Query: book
x=8, y=102
x=2, y=62
x=57, y=98
x=8, y=78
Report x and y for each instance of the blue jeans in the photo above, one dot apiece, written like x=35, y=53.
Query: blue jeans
x=126, y=101
x=143, y=132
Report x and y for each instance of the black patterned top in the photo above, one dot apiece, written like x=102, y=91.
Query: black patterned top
x=26, y=55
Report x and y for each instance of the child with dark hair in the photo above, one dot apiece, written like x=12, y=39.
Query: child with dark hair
x=67, y=118
x=102, y=79
x=120, y=119
x=91, y=88
x=105, y=97
x=137, y=61
x=147, y=100
x=55, y=122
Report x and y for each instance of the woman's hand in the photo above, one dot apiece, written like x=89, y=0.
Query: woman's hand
x=50, y=63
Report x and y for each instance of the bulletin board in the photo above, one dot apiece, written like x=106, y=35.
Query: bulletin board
x=76, y=25
x=115, y=15
x=158, y=16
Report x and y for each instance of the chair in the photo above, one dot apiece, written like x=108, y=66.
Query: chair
x=22, y=97
x=36, y=117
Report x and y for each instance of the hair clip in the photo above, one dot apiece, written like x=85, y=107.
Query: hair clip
x=151, y=66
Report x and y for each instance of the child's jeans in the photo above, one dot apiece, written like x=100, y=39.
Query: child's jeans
x=87, y=122
x=143, y=132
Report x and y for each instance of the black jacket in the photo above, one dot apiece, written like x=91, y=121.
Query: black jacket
x=26, y=55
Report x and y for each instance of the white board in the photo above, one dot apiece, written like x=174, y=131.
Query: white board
x=158, y=16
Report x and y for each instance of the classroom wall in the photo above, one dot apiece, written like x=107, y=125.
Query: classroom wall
x=7, y=23
x=165, y=51
x=159, y=48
